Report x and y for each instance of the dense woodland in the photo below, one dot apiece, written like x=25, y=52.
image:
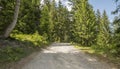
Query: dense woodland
x=49, y=21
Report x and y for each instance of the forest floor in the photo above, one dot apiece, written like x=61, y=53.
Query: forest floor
x=62, y=56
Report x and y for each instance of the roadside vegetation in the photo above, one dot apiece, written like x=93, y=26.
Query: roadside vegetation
x=19, y=46
x=101, y=54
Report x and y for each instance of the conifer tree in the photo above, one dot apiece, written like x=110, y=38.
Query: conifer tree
x=28, y=20
x=98, y=19
x=61, y=23
x=44, y=20
x=85, y=23
x=104, y=31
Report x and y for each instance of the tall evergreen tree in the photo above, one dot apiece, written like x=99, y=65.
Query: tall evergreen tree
x=52, y=18
x=104, y=32
x=116, y=37
x=44, y=20
x=61, y=23
x=85, y=23
x=28, y=20
x=98, y=19
x=116, y=23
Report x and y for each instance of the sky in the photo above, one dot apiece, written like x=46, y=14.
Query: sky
x=65, y=2
x=108, y=5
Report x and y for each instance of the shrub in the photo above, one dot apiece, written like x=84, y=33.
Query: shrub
x=35, y=38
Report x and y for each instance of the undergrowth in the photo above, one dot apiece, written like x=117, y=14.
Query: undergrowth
x=19, y=46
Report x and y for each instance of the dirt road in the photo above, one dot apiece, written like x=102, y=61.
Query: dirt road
x=64, y=56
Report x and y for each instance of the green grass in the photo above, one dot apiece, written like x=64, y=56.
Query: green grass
x=86, y=49
x=100, y=54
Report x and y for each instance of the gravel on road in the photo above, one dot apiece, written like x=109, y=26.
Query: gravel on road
x=65, y=56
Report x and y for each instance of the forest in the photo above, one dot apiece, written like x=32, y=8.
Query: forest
x=32, y=24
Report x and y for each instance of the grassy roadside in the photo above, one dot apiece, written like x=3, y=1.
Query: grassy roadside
x=100, y=55
x=19, y=46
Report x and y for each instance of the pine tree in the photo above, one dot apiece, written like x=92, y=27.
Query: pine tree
x=98, y=19
x=44, y=20
x=28, y=20
x=116, y=37
x=61, y=23
x=85, y=23
x=104, y=32
x=52, y=18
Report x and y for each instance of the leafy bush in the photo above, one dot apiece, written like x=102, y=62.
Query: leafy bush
x=35, y=38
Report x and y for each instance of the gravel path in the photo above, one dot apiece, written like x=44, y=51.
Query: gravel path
x=64, y=56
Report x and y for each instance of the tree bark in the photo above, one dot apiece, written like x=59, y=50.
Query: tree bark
x=13, y=24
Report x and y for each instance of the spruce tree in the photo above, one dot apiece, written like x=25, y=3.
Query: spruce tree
x=28, y=20
x=85, y=23
x=116, y=37
x=61, y=23
x=44, y=20
x=103, y=39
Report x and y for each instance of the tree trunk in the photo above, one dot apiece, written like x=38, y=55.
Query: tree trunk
x=13, y=24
